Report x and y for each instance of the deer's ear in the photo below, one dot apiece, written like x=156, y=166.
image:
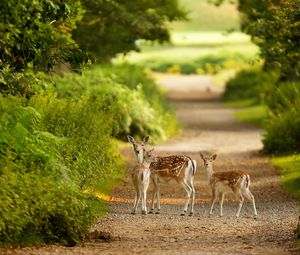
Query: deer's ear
x=146, y=138
x=214, y=156
x=130, y=139
x=201, y=155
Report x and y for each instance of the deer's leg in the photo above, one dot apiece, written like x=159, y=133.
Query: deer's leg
x=137, y=196
x=191, y=184
x=152, y=201
x=213, y=201
x=221, y=203
x=158, y=199
x=157, y=194
x=241, y=199
x=144, y=201
x=247, y=193
x=145, y=185
x=154, y=193
x=188, y=191
x=133, y=211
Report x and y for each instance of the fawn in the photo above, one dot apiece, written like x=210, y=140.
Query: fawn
x=236, y=182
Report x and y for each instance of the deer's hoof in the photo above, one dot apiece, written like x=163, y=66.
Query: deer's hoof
x=191, y=214
x=133, y=213
x=151, y=211
x=158, y=212
x=144, y=212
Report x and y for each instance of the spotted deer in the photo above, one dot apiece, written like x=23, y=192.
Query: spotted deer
x=177, y=167
x=140, y=176
x=236, y=182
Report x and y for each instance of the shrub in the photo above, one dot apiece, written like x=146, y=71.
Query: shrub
x=89, y=153
x=282, y=128
x=249, y=84
x=125, y=100
x=31, y=211
x=49, y=149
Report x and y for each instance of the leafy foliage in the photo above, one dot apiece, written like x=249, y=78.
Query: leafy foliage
x=37, y=33
x=132, y=113
x=249, y=84
x=52, y=148
x=282, y=128
x=111, y=27
x=275, y=26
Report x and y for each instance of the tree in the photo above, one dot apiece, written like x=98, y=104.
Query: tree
x=275, y=27
x=115, y=26
x=38, y=33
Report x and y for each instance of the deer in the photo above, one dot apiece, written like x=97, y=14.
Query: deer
x=236, y=182
x=140, y=176
x=180, y=168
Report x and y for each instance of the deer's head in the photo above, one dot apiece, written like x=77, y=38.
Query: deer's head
x=149, y=156
x=138, y=147
x=208, y=160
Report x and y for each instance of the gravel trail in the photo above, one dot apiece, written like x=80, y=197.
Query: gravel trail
x=208, y=126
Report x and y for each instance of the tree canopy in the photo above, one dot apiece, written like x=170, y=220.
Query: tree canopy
x=37, y=33
x=115, y=26
x=274, y=25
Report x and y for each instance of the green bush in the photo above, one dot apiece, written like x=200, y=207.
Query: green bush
x=51, y=148
x=137, y=108
x=282, y=128
x=136, y=78
x=31, y=211
x=88, y=153
x=58, y=144
x=249, y=84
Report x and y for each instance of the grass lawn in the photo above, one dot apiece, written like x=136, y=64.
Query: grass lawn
x=254, y=114
x=250, y=112
x=193, y=50
x=290, y=176
x=290, y=173
x=192, y=45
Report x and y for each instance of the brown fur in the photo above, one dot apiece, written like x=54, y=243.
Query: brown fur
x=170, y=166
x=231, y=177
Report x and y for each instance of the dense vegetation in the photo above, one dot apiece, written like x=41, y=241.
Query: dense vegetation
x=59, y=130
x=274, y=27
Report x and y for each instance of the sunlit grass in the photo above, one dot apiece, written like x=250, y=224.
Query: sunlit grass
x=250, y=111
x=254, y=114
x=241, y=103
x=208, y=38
x=193, y=50
x=290, y=173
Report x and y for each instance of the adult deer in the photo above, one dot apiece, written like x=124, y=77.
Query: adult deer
x=177, y=167
x=140, y=176
x=236, y=182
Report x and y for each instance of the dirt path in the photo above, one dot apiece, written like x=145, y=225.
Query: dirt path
x=208, y=126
